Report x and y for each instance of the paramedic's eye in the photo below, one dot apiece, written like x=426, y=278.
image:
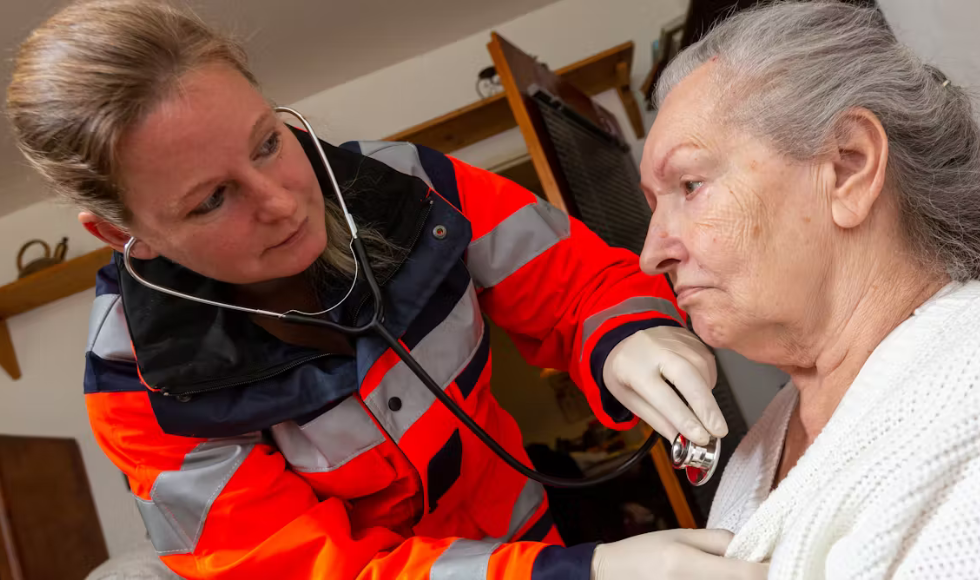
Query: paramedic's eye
x=271, y=145
x=212, y=203
x=691, y=186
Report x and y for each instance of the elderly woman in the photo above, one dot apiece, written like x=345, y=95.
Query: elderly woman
x=816, y=197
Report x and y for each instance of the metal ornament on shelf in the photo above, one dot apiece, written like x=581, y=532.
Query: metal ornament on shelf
x=488, y=83
x=49, y=259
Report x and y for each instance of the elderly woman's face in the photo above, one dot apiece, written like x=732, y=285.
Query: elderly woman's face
x=742, y=231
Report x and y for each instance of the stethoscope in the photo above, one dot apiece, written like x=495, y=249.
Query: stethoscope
x=700, y=461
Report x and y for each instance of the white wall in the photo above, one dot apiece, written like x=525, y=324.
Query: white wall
x=412, y=92
x=942, y=32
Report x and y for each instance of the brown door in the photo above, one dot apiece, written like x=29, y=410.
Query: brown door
x=48, y=523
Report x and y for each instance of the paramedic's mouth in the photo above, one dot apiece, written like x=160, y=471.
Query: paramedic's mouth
x=293, y=238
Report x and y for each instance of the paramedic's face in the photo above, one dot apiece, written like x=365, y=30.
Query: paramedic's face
x=739, y=228
x=215, y=182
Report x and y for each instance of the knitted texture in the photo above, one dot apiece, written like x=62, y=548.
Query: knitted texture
x=891, y=486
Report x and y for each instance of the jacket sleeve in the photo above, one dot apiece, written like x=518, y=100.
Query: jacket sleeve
x=231, y=508
x=563, y=295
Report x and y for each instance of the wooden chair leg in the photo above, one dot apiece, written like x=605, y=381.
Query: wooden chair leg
x=668, y=477
x=8, y=358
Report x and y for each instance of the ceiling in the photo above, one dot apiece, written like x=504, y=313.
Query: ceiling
x=297, y=47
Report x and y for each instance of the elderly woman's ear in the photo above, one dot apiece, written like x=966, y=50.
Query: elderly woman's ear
x=858, y=160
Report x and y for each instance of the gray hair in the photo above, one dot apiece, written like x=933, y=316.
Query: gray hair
x=793, y=69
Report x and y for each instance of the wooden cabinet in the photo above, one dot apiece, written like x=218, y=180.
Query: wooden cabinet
x=49, y=529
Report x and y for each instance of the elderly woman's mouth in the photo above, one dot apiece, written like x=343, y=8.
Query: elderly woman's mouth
x=687, y=293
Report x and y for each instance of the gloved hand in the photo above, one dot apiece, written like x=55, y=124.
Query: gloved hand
x=673, y=555
x=635, y=371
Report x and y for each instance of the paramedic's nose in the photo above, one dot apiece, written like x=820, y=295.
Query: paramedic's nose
x=274, y=201
x=662, y=250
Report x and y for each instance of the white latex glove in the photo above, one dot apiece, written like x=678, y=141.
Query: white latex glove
x=673, y=555
x=635, y=371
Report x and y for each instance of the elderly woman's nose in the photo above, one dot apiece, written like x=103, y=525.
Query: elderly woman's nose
x=662, y=251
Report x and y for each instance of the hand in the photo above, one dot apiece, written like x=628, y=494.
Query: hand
x=673, y=555
x=637, y=371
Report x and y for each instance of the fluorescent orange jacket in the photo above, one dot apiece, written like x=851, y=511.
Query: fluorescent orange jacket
x=253, y=458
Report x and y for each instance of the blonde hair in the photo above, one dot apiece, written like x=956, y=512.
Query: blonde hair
x=94, y=70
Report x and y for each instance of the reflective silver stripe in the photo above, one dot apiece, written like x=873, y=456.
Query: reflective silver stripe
x=635, y=305
x=463, y=560
x=108, y=335
x=444, y=353
x=403, y=157
x=163, y=535
x=523, y=236
x=329, y=441
x=180, y=500
x=524, y=509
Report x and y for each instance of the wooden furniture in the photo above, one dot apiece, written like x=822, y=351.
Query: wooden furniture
x=669, y=46
x=580, y=154
x=518, y=71
x=671, y=483
x=41, y=288
x=471, y=124
x=48, y=524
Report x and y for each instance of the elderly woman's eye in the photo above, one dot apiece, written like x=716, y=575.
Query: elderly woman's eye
x=692, y=186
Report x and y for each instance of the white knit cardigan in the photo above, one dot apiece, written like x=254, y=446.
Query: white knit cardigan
x=891, y=486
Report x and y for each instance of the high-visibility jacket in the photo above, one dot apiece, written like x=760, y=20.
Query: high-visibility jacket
x=253, y=458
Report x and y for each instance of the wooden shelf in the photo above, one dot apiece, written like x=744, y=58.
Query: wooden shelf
x=41, y=288
x=473, y=123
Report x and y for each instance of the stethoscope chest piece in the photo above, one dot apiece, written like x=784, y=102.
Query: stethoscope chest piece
x=699, y=463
